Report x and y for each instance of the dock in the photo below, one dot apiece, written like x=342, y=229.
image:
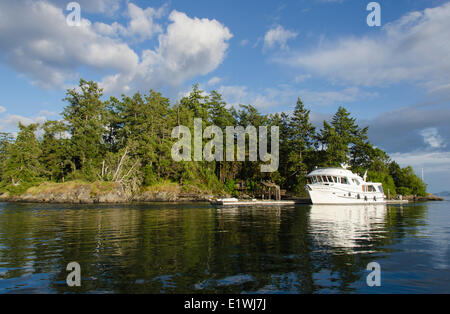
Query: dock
x=251, y=203
x=391, y=202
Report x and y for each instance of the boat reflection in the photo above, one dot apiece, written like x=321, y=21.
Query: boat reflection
x=347, y=227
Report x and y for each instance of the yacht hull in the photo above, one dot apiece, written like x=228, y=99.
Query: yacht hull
x=333, y=197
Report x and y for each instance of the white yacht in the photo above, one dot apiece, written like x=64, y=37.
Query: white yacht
x=341, y=186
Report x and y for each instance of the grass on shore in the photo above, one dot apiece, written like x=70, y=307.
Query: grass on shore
x=101, y=187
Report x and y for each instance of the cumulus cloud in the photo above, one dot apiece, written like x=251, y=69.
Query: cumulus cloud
x=413, y=48
x=141, y=27
x=278, y=36
x=190, y=47
x=108, y=7
x=50, y=52
x=2, y=109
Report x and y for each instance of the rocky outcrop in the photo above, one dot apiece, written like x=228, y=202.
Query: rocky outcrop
x=100, y=192
x=71, y=193
x=428, y=197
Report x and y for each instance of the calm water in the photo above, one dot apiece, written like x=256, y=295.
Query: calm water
x=192, y=248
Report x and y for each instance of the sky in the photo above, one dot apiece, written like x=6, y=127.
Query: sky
x=394, y=78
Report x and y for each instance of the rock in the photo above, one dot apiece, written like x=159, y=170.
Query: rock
x=428, y=197
x=89, y=193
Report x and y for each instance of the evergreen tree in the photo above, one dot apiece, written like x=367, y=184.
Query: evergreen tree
x=85, y=115
x=55, y=156
x=22, y=164
x=301, y=138
x=5, y=140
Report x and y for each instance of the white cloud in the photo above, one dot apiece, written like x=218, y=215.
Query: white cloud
x=108, y=7
x=47, y=50
x=272, y=99
x=214, y=81
x=190, y=47
x=50, y=53
x=432, y=138
x=243, y=42
x=11, y=121
x=234, y=95
x=433, y=162
x=140, y=28
x=414, y=48
x=2, y=109
x=278, y=36
x=302, y=77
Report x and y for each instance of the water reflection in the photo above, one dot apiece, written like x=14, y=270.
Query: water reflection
x=192, y=248
x=347, y=228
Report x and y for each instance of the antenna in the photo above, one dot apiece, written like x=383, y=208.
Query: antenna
x=365, y=176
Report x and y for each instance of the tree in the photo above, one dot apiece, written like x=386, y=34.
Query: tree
x=338, y=136
x=301, y=137
x=54, y=146
x=5, y=141
x=22, y=164
x=85, y=116
x=128, y=140
x=220, y=116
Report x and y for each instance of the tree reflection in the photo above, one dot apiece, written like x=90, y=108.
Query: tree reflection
x=170, y=248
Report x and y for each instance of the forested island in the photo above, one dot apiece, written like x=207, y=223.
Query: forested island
x=118, y=150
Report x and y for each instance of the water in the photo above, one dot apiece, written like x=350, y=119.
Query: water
x=195, y=248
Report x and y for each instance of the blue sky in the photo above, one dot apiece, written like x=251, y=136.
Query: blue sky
x=394, y=78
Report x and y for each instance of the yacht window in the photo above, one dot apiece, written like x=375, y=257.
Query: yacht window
x=330, y=179
x=344, y=180
x=371, y=188
x=324, y=178
x=335, y=179
x=380, y=188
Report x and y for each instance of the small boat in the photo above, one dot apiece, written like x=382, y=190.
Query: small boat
x=341, y=186
x=253, y=202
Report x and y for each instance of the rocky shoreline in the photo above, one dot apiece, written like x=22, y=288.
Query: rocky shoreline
x=113, y=193
x=429, y=197
x=90, y=194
